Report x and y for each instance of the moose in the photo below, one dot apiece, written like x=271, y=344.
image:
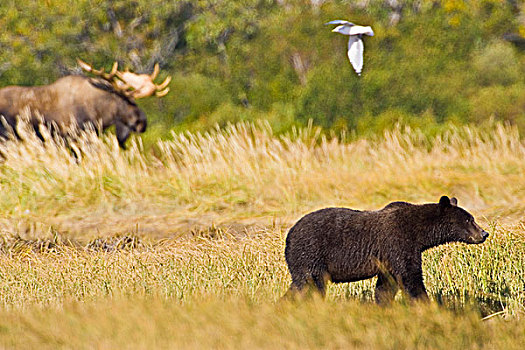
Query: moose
x=99, y=102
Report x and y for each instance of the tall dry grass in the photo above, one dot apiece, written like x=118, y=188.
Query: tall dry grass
x=196, y=229
x=246, y=171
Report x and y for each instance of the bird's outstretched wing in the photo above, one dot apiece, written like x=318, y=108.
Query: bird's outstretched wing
x=356, y=30
x=339, y=21
x=355, y=53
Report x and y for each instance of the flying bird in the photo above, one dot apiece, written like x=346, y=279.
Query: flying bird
x=355, y=42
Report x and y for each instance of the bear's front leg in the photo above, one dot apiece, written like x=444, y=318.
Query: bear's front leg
x=411, y=279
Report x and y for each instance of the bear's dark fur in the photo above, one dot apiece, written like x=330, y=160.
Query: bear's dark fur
x=345, y=245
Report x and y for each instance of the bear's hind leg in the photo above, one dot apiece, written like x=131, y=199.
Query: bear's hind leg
x=298, y=286
x=319, y=280
x=292, y=292
x=386, y=288
x=304, y=284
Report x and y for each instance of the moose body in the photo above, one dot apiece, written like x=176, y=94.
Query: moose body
x=87, y=101
x=108, y=99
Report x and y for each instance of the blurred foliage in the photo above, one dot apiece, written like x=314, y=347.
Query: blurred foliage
x=430, y=62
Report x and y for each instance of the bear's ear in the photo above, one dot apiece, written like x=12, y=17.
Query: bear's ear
x=444, y=201
x=454, y=201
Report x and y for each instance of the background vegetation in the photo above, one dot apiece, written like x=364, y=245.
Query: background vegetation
x=182, y=246
x=430, y=62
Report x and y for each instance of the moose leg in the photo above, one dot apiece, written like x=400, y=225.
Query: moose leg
x=123, y=132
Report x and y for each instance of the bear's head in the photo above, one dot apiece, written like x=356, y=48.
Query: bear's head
x=460, y=223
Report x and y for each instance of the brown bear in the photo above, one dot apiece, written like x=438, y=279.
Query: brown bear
x=345, y=245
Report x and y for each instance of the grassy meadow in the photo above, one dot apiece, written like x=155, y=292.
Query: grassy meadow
x=182, y=245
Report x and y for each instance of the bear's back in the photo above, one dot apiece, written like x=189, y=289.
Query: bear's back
x=328, y=216
x=328, y=224
x=398, y=205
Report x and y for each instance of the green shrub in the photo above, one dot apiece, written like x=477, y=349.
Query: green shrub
x=496, y=64
x=503, y=103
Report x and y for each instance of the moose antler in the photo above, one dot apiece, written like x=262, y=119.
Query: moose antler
x=99, y=72
x=111, y=77
x=131, y=84
x=143, y=84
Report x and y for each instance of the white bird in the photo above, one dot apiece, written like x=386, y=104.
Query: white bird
x=355, y=42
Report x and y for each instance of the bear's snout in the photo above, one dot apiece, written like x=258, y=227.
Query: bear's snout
x=479, y=236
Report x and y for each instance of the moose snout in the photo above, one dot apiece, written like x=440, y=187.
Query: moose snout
x=141, y=126
x=484, y=234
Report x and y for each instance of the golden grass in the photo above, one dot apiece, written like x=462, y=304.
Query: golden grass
x=145, y=323
x=247, y=173
x=117, y=241
x=220, y=263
